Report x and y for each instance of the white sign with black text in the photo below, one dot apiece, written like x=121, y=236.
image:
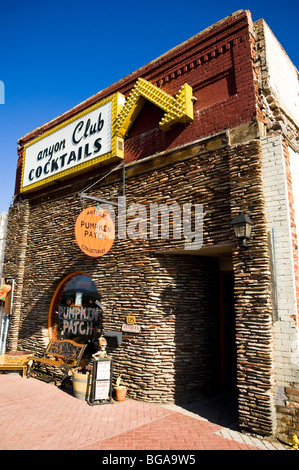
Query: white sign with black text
x=78, y=143
x=68, y=148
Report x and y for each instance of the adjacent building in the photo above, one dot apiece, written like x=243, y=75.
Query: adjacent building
x=3, y=228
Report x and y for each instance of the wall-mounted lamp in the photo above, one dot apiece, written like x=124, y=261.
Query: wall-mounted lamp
x=242, y=226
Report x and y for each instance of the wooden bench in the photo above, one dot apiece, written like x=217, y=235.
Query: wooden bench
x=15, y=360
x=64, y=354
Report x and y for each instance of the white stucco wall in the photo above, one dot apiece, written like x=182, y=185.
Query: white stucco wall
x=282, y=76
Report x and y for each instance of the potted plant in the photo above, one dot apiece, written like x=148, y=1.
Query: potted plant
x=120, y=390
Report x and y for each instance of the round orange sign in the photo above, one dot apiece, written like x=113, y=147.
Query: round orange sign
x=94, y=231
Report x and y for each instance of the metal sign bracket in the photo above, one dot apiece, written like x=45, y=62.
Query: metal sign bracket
x=105, y=201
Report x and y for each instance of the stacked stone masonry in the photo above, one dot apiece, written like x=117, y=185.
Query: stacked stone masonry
x=135, y=279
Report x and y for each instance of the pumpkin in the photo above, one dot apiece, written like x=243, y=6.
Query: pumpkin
x=94, y=231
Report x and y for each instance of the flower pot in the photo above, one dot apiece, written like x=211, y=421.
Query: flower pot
x=120, y=393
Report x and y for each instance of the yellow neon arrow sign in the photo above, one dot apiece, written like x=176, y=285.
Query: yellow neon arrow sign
x=178, y=109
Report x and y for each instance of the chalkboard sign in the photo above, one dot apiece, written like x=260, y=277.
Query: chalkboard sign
x=101, y=386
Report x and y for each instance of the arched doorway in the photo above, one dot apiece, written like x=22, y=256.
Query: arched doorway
x=75, y=311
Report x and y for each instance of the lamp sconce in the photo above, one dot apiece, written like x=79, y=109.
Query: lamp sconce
x=242, y=226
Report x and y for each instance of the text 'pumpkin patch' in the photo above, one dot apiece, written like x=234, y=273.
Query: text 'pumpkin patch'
x=94, y=231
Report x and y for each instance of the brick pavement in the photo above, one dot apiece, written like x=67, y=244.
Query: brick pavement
x=35, y=415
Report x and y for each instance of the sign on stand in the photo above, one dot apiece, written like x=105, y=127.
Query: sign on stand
x=101, y=385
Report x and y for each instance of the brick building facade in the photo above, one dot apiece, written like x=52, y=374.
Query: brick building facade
x=213, y=317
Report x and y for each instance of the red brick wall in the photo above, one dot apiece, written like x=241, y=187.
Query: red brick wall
x=218, y=66
x=217, y=63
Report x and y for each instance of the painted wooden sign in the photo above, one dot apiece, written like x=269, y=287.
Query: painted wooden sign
x=94, y=231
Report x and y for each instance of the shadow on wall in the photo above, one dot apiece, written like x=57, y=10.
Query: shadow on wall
x=175, y=301
x=181, y=338
x=194, y=301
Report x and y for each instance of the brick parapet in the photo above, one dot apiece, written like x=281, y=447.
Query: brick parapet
x=272, y=110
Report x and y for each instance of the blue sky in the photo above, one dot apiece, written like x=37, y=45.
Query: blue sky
x=56, y=54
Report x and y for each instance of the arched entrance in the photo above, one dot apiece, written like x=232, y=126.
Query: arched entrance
x=75, y=311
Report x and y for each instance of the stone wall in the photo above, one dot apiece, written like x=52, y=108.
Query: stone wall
x=14, y=263
x=253, y=296
x=173, y=297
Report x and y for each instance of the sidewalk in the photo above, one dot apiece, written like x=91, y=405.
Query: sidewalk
x=35, y=415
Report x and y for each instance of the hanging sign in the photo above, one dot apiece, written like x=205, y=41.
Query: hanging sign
x=94, y=231
x=78, y=144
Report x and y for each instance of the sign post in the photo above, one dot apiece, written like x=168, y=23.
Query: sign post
x=101, y=385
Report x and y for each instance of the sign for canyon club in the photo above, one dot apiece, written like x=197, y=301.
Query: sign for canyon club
x=94, y=231
x=74, y=146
